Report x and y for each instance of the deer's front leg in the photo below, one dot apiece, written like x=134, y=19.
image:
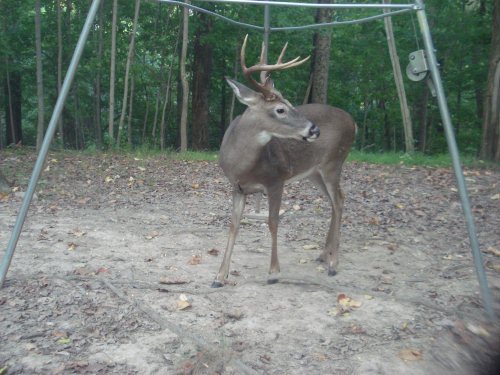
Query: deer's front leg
x=274, y=197
x=238, y=207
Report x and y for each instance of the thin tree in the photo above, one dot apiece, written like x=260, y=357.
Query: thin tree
x=167, y=96
x=59, y=68
x=490, y=143
x=184, y=81
x=97, y=85
x=398, y=79
x=130, y=58
x=39, y=76
x=4, y=184
x=322, y=40
x=202, y=74
x=112, y=71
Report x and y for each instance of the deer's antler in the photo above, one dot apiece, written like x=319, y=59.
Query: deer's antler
x=265, y=86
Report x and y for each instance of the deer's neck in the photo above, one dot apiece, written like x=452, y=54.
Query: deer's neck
x=241, y=148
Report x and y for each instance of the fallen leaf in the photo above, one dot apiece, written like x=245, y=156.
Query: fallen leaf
x=195, y=186
x=183, y=302
x=320, y=269
x=108, y=179
x=83, y=271
x=448, y=257
x=346, y=301
x=495, y=197
x=374, y=221
x=102, y=270
x=492, y=266
x=399, y=205
x=477, y=330
x=213, y=252
x=64, y=341
x=356, y=329
x=410, y=354
x=152, y=235
x=492, y=250
x=72, y=246
x=311, y=246
x=195, y=259
x=60, y=334
x=296, y=207
x=172, y=280
x=265, y=358
x=77, y=232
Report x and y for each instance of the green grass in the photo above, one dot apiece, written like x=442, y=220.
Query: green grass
x=387, y=158
x=391, y=158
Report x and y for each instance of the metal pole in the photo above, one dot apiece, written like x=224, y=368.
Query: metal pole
x=21, y=217
x=267, y=27
x=315, y=5
x=453, y=149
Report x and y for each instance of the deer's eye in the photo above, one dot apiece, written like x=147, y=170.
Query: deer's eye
x=280, y=111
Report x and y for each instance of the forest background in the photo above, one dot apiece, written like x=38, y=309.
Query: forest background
x=144, y=61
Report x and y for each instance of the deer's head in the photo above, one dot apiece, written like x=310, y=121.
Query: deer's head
x=273, y=114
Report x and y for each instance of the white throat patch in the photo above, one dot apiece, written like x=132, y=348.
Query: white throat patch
x=264, y=137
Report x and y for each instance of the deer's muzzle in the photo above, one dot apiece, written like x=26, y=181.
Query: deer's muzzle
x=313, y=133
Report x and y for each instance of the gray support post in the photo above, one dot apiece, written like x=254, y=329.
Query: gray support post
x=453, y=149
x=267, y=27
x=37, y=169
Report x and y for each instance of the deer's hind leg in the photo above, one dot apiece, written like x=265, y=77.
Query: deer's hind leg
x=330, y=185
x=274, y=198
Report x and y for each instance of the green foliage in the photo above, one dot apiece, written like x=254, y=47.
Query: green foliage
x=360, y=82
x=417, y=158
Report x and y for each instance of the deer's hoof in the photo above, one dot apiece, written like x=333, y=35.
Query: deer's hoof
x=332, y=272
x=217, y=284
x=272, y=280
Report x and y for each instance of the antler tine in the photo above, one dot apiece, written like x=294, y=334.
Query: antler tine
x=282, y=53
x=263, y=61
x=265, y=87
x=247, y=72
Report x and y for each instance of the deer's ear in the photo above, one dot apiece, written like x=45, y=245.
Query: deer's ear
x=244, y=94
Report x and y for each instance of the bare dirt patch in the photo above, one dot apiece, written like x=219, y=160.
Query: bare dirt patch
x=113, y=269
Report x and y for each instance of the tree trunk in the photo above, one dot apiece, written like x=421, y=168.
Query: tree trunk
x=184, y=81
x=59, y=69
x=322, y=40
x=130, y=58
x=14, y=134
x=387, y=126
x=97, y=86
x=202, y=73
x=4, y=184
x=398, y=79
x=112, y=69
x=422, y=118
x=490, y=144
x=235, y=76
x=130, y=112
x=163, y=124
x=223, y=111
x=39, y=76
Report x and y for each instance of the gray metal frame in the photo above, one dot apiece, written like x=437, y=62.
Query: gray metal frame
x=395, y=9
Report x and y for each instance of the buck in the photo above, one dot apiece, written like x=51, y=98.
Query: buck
x=272, y=143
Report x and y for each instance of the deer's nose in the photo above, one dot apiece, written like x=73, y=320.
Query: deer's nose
x=314, y=131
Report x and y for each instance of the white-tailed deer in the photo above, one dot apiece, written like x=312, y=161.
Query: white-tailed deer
x=272, y=143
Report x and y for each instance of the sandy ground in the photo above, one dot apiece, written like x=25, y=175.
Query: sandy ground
x=113, y=269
